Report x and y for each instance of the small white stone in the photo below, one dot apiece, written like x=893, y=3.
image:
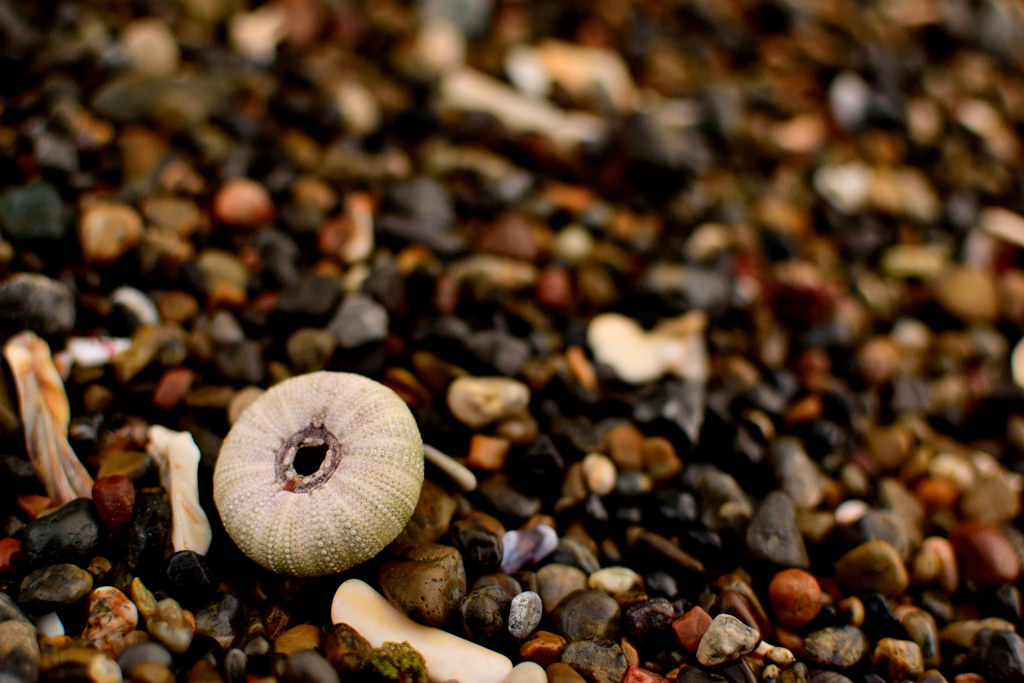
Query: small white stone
x=574, y=243
x=599, y=471
x=727, y=638
x=780, y=656
x=49, y=624
x=1002, y=223
x=525, y=71
x=151, y=47
x=359, y=246
x=93, y=352
x=910, y=334
x=850, y=511
x=707, y=241
x=141, y=306
x=358, y=107
x=448, y=657
x=440, y=46
x=456, y=471
x=849, y=96
x=954, y=469
x=479, y=401
x=614, y=580
x=845, y=187
x=255, y=35
x=527, y=672
x=580, y=70
x=676, y=346
x=177, y=458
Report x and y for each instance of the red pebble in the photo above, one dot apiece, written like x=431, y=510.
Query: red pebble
x=690, y=628
x=244, y=203
x=172, y=387
x=10, y=555
x=986, y=554
x=638, y=675
x=795, y=597
x=32, y=504
x=114, y=497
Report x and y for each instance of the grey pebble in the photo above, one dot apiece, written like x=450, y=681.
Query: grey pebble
x=525, y=614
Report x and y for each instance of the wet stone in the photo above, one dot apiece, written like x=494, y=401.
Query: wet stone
x=874, y=566
x=525, y=614
x=596, y=661
x=187, y=577
x=33, y=212
x=987, y=556
x=480, y=547
x=427, y=584
x=574, y=553
x=19, y=651
x=648, y=624
x=690, y=628
x=220, y=618
x=50, y=588
x=795, y=597
x=836, y=646
x=73, y=534
x=543, y=647
x=111, y=617
x=168, y=625
x=114, y=498
x=359, y=320
x=29, y=301
x=725, y=639
x=309, y=667
x=136, y=654
x=483, y=612
x=586, y=615
x=346, y=650
x=998, y=656
x=773, y=537
x=900, y=659
x=555, y=581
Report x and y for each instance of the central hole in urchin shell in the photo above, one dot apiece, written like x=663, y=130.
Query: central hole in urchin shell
x=308, y=459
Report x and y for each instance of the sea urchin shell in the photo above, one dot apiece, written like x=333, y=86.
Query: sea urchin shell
x=294, y=514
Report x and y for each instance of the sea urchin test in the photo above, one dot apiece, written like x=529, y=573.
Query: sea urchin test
x=319, y=474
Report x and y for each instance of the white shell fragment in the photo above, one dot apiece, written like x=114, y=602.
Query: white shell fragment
x=294, y=519
x=177, y=458
x=675, y=346
x=448, y=657
x=456, y=471
x=45, y=414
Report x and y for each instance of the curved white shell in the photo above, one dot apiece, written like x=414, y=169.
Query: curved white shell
x=360, y=508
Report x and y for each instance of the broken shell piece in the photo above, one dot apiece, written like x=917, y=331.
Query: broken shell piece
x=177, y=457
x=448, y=657
x=45, y=414
x=676, y=346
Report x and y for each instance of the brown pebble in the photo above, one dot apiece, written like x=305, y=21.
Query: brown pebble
x=660, y=459
x=114, y=498
x=151, y=672
x=243, y=203
x=204, y=671
x=901, y=659
x=543, y=647
x=873, y=566
x=487, y=452
x=731, y=602
x=554, y=288
x=625, y=446
x=690, y=628
x=563, y=673
x=795, y=596
x=32, y=504
x=986, y=555
x=302, y=637
x=108, y=231
x=969, y=295
x=889, y=446
x=172, y=387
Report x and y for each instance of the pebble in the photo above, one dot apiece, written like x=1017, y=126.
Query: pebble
x=900, y=659
x=599, y=471
x=988, y=558
x=151, y=47
x=33, y=212
x=483, y=612
x=773, y=536
x=427, y=583
x=304, y=637
x=447, y=657
x=359, y=320
x=962, y=633
x=599, y=662
x=19, y=651
x=111, y=617
x=108, y=231
x=310, y=349
x=527, y=672
x=73, y=533
x=836, y=646
x=999, y=656
x=522, y=547
x=168, y=625
x=187, y=577
x=637, y=675
x=968, y=295
x=691, y=627
x=555, y=581
x=726, y=638
x=114, y=498
x=480, y=547
x=30, y=301
x=648, y=624
x=922, y=629
x=346, y=650
x=543, y=647
x=874, y=566
x=142, y=653
x=559, y=672
x=243, y=203
x=639, y=357
x=614, y=580
x=795, y=597
x=586, y=615
x=572, y=552
x=53, y=587
x=798, y=475
x=487, y=452
x=479, y=401
x=525, y=614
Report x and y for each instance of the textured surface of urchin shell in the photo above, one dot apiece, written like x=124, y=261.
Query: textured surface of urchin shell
x=356, y=503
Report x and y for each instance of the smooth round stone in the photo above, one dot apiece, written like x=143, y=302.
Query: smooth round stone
x=527, y=672
x=108, y=231
x=478, y=401
x=727, y=638
x=614, y=580
x=427, y=583
x=998, y=656
x=152, y=672
x=33, y=212
x=874, y=566
x=836, y=646
x=525, y=614
x=922, y=629
x=114, y=498
x=599, y=472
x=504, y=581
x=167, y=624
x=986, y=555
x=773, y=537
x=795, y=596
x=649, y=623
x=297, y=639
x=597, y=661
x=481, y=614
x=555, y=581
x=73, y=533
x=136, y=654
x=560, y=672
x=310, y=349
x=29, y=301
x=543, y=647
x=19, y=651
x=968, y=295
x=346, y=649
x=50, y=588
x=243, y=203
x=480, y=547
x=151, y=47
x=359, y=320
x=307, y=666
x=584, y=614
x=187, y=577
x=572, y=552
x=900, y=659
